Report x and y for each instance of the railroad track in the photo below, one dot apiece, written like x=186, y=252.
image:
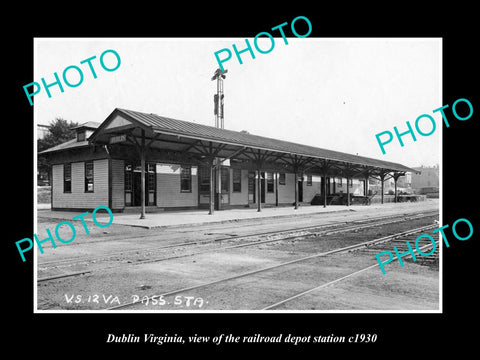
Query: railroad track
x=223, y=243
x=87, y=258
x=372, y=250
x=270, y=271
x=400, y=243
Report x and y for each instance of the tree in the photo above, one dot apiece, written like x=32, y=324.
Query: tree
x=59, y=131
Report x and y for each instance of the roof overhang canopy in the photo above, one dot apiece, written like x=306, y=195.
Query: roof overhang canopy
x=201, y=144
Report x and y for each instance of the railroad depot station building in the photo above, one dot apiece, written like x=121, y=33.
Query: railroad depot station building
x=142, y=162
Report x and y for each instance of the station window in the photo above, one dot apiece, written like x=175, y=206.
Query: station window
x=281, y=179
x=81, y=136
x=151, y=183
x=339, y=183
x=67, y=178
x=237, y=180
x=270, y=183
x=185, y=179
x=309, y=179
x=151, y=177
x=89, y=176
x=204, y=175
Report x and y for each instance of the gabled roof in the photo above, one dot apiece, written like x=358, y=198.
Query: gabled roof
x=73, y=143
x=179, y=135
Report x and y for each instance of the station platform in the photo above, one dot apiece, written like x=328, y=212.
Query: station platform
x=200, y=217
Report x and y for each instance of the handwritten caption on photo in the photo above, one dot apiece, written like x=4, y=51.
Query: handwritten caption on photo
x=157, y=300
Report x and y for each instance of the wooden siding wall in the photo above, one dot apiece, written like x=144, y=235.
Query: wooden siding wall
x=356, y=188
x=239, y=198
x=118, y=184
x=168, y=187
x=78, y=198
x=286, y=193
x=309, y=191
x=270, y=197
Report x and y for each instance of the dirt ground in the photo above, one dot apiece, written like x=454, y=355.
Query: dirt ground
x=117, y=281
x=412, y=287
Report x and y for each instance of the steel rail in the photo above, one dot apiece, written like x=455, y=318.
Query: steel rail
x=268, y=268
x=78, y=260
x=253, y=243
x=296, y=296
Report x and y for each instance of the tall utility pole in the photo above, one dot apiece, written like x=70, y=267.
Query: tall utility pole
x=218, y=98
x=218, y=111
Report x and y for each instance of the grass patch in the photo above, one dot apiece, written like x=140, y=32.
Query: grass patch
x=43, y=194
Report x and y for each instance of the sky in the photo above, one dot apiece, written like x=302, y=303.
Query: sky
x=332, y=93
